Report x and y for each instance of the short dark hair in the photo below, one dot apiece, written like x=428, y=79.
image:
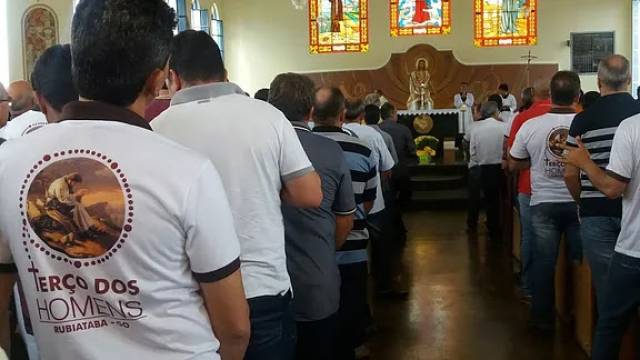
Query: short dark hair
x=329, y=108
x=354, y=107
x=117, y=45
x=293, y=95
x=386, y=111
x=51, y=77
x=262, y=94
x=371, y=114
x=565, y=88
x=489, y=109
x=195, y=56
x=589, y=98
x=496, y=99
x=503, y=87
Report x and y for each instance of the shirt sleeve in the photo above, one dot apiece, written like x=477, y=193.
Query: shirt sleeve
x=371, y=185
x=391, y=147
x=519, y=148
x=212, y=244
x=473, y=147
x=622, y=158
x=345, y=202
x=457, y=101
x=470, y=100
x=575, y=130
x=293, y=160
x=386, y=160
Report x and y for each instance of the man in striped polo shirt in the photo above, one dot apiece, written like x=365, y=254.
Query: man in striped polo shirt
x=328, y=115
x=600, y=217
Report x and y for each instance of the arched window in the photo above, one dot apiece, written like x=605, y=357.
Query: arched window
x=506, y=22
x=420, y=17
x=338, y=26
x=199, y=17
x=217, y=28
x=180, y=7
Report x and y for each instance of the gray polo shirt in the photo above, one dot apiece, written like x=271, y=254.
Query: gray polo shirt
x=310, y=234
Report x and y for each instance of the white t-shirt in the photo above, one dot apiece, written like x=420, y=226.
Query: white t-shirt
x=486, y=139
x=256, y=150
x=624, y=161
x=535, y=141
x=23, y=125
x=381, y=157
x=112, y=271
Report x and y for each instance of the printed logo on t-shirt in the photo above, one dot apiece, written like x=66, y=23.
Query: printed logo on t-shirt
x=557, y=137
x=32, y=127
x=77, y=209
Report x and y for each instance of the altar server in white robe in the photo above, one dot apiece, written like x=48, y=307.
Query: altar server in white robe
x=464, y=101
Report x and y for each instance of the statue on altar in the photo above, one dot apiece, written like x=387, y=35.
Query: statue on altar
x=420, y=87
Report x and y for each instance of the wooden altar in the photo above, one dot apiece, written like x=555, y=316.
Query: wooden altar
x=443, y=124
x=446, y=75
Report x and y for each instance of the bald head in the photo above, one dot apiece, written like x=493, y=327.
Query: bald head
x=328, y=108
x=22, y=97
x=542, y=90
x=614, y=74
x=4, y=105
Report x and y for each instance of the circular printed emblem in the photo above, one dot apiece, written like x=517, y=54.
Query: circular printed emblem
x=557, y=137
x=76, y=207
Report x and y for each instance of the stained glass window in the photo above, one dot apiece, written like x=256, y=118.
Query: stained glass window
x=420, y=17
x=338, y=26
x=506, y=22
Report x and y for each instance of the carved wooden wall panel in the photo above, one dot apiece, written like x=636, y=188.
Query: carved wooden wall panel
x=446, y=75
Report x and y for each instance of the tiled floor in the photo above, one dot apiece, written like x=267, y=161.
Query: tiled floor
x=462, y=304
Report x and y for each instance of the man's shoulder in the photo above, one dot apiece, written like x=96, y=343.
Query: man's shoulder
x=353, y=144
x=319, y=142
x=631, y=123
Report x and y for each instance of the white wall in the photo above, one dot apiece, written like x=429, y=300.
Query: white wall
x=266, y=37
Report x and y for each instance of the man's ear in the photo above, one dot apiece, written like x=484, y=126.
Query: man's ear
x=174, y=82
x=154, y=84
x=42, y=103
x=309, y=116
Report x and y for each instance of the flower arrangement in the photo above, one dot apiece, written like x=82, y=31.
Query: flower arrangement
x=426, y=146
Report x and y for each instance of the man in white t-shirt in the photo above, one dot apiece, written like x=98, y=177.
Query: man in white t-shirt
x=156, y=273
x=619, y=299
x=23, y=118
x=485, y=149
x=538, y=146
x=53, y=85
x=260, y=158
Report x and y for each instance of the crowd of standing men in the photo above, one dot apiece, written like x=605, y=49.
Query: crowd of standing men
x=244, y=230
x=574, y=156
